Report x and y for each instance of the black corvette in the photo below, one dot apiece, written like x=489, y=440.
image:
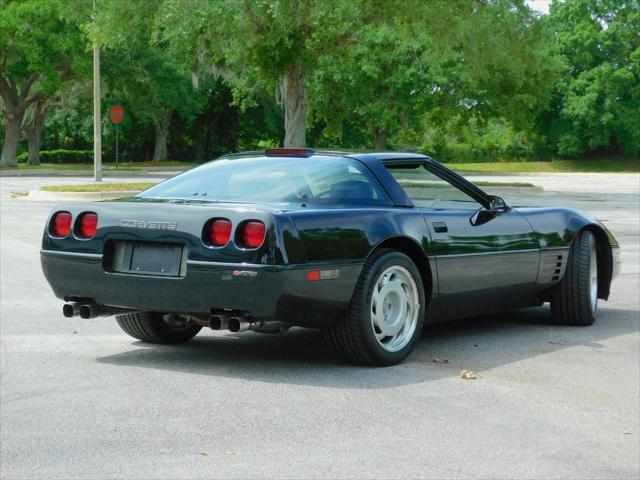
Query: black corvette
x=366, y=247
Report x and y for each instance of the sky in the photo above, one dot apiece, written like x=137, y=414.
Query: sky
x=541, y=6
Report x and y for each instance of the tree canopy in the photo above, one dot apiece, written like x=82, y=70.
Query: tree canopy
x=40, y=49
x=597, y=98
x=461, y=80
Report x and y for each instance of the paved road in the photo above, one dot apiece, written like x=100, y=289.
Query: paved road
x=79, y=399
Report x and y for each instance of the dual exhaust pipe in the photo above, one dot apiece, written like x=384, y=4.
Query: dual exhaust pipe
x=243, y=323
x=233, y=323
x=90, y=310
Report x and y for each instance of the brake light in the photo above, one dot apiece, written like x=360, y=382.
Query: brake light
x=61, y=224
x=253, y=234
x=87, y=226
x=219, y=232
x=289, y=152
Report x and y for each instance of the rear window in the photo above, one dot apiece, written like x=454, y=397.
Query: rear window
x=324, y=180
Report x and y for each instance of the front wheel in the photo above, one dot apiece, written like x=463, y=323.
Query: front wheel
x=574, y=301
x=384, y=319
x=153, y=327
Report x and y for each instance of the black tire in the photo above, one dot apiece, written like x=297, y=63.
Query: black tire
x=571, y=299
x=352, y=337
x=153, y=327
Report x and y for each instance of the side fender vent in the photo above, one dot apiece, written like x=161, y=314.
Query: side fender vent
x=552, y=265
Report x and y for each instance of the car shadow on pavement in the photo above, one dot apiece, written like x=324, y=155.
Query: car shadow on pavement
x=300, y=356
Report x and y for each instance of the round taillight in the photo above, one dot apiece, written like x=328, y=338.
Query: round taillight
x=219, y=232
x=87, y=226
x=253, y=234
x=61, y=224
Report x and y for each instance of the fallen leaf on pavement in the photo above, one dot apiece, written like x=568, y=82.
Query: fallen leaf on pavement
x=204, y=454
x=440, y=360
x=468, y=375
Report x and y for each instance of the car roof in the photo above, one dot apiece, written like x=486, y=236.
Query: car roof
x=308, y=152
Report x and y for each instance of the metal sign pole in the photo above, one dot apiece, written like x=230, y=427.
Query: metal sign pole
x=97, y=134
x=117, y=128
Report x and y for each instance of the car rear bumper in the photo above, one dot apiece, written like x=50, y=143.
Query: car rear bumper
x=280, y=292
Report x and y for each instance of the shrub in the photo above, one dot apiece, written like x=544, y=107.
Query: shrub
x=492, y=141
x=61, y=156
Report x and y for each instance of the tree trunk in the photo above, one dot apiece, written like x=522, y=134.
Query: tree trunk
x=295, y=108
x=199, y=140
x=34, y=138
x=380, y=138
x=16, y=103
x=162, y=131
x=11, y=138
x=33, y=131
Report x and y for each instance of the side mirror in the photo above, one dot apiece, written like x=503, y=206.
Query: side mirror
x=497, y=204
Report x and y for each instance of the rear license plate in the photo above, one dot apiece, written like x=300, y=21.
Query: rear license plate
x=146, y=258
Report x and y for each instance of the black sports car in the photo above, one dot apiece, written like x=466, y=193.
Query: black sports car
x=366, y=247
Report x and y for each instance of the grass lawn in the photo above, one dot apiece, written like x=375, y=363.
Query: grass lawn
x=562, y=166
x=106, y=166
x=554, y=166
x=504, y=184
x=100, y=187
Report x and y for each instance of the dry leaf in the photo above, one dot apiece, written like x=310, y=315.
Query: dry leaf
x=468, y=375
x=204, y=454
x=440, y=360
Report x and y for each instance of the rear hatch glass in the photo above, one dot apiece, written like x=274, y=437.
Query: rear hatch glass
x=323, y=180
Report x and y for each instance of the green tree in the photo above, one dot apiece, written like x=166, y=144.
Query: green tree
x=40, y=48
x=372, y=80
x=140, y=72
x=597, y=100
x=433, y=60
x=267, y=46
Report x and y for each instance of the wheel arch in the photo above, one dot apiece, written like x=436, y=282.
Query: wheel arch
x=605, y=258
x=416, y=253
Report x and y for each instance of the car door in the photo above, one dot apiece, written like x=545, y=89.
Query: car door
x=486, y=259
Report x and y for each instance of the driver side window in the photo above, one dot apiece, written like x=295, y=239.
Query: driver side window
x=427, y=190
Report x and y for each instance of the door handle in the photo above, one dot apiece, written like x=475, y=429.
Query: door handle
x=440, y=227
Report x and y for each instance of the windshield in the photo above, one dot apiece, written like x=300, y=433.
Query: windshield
x=326, y=180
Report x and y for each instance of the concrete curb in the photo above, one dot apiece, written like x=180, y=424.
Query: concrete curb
x=42, y=196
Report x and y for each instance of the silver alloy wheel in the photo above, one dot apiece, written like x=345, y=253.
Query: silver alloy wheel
x=593, y=279
x=395, y=306
x=176, y=322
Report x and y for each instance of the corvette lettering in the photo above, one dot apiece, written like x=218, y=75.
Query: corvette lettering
x=244, y=273
x=149, y=225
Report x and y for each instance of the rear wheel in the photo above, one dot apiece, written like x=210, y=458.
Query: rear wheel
x=574, y=301
x=384, y=319
x=156, y=327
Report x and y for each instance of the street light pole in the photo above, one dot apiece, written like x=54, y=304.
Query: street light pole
x=97, y=133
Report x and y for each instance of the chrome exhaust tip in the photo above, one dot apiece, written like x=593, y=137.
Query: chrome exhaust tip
x=218, y=322
x=237, y=324
x=70, y=309
x=89, y=310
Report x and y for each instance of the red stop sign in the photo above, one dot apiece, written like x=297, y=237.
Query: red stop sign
x=116, y=113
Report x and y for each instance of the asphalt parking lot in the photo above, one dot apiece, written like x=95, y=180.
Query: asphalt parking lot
x=80, y=399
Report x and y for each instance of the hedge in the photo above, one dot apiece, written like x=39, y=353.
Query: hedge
x=464, y=153
x=61, y=156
